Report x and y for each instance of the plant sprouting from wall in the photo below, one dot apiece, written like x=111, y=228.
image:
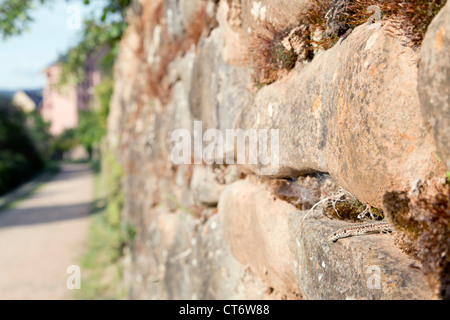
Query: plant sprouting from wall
x=409, y=18
x=273, y=50
x=268, y=55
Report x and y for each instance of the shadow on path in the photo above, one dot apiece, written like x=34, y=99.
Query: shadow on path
x=44, y=234
x=37, y=215
x=37, y=209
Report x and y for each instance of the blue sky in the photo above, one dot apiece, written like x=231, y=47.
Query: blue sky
x=22, y=58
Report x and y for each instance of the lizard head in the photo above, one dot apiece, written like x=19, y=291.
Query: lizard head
x=333, y=237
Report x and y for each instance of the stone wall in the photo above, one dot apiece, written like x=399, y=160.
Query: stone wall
x=369, y=114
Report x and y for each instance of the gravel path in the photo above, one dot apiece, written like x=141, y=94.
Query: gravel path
x=45, y=234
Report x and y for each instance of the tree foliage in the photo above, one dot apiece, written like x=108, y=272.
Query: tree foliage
x=99, y=33
x=113, y=8
x=39, y=133
x=100, y=36
x=19, y=157
x=92, y=123
x=66, y=141
x=89, y=131
x=15, y=15
x=97, y=36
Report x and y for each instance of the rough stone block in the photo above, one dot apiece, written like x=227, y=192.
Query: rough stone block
x=364, y=267
x=434, y=81
x=256, y=231
x=353, y=112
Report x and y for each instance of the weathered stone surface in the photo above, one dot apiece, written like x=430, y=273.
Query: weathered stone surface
x=348, y=269
x=205, y=187
x=175, y=260
x=179, y=15
x=234, y=49
x=180, y=79
x=217, y=274
x=189, y=10
x=354, y=112
x=124, y=88
x=280, y=13
x=434, y=81
x=256, y=231
x=219, y=90
x=173, y=18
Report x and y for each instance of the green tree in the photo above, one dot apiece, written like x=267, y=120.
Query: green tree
x=19, y=158
x=39, y=132
x=99, y=33
x=92, y=123
x=15, y=15
x=89, y=131
x=97, y=37
x=66, y=141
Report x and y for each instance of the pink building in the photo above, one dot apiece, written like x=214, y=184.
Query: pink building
x=60, y=105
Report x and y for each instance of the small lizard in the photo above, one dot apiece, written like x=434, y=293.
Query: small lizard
x=361, y=229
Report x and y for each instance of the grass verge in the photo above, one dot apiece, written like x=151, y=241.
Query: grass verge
x=100, y=264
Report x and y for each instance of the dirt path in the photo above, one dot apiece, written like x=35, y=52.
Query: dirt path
x=45, y=234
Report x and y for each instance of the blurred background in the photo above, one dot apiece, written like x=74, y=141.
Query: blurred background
x=56, y=58
x=56, y=62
